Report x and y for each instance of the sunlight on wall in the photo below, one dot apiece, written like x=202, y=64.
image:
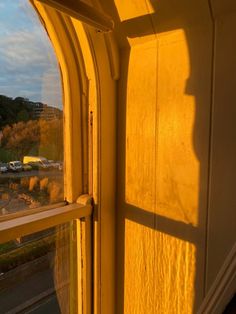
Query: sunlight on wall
x=177, y=169
x=141, y=127
x=136, y=16
x=161, y=179
x=166, y=114
x=151, y=254
x=162, y=170
x=132, y=9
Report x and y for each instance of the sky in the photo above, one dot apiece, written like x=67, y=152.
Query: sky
x=28, y=66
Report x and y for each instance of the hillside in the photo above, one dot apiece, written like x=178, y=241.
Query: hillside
x=14, y=110
x=22, y=109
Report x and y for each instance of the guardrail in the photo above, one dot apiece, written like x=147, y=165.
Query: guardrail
x=21, y=226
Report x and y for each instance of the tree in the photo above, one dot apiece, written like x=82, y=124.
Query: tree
x=21, y=137
x=36, y=137
x=23, y=115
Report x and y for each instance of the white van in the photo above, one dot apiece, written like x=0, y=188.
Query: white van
x=15, y=165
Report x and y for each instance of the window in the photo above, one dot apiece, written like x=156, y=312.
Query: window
x=31, y=113
x=33, y=172
x=89, y=67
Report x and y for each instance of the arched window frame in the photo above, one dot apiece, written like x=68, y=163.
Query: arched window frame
x=89, y=68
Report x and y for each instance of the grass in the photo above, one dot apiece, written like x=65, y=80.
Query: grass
x=17, y=256
x=5, y=247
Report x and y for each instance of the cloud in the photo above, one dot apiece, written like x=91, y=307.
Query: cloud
x=24, y=48
x=28, y=66
x=51, y=87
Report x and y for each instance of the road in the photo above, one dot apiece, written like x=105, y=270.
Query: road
x=32, y=173
x=47, y=306
x=36, y=294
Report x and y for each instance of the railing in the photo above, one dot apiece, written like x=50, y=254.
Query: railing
x=80, y=216
x=20, y=226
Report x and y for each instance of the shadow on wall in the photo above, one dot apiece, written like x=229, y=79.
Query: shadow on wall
x=163, y=154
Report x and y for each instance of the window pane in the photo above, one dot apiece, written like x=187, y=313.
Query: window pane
x=35, y=272
x=31, y=115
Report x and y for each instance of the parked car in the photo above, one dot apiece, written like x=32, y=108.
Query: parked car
x=38, y=165
x=3, y=168
x=55, y=164
x=27, y=167
x=15, y=166
x=35, y=165
x=60, y=166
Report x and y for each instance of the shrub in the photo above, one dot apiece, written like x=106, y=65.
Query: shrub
x=26, y=253
x=33, y=183
x=24, y=182
x=55, y=192
x=43, y=184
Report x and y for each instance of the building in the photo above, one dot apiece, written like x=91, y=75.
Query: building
x=43, y=111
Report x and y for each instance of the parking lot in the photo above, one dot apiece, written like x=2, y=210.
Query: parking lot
x=32, y=173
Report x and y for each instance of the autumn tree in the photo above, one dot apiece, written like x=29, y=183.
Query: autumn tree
x=21, y=137
x=35, y=137
x=51, y=138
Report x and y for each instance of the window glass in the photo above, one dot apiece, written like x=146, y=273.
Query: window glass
x=31, y=112
x=35, y=272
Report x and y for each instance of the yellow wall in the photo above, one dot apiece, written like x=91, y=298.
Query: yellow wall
x=170, y=140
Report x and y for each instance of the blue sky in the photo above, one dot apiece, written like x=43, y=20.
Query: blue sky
x=28, y=66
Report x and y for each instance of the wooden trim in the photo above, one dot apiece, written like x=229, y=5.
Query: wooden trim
x=104, y=175
x=21, y=226
x=102, y=90
x=76, y=266
x=83, y=12
x=30, y=211
x=86, y=226
x=223, y=287
x=113, y=55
